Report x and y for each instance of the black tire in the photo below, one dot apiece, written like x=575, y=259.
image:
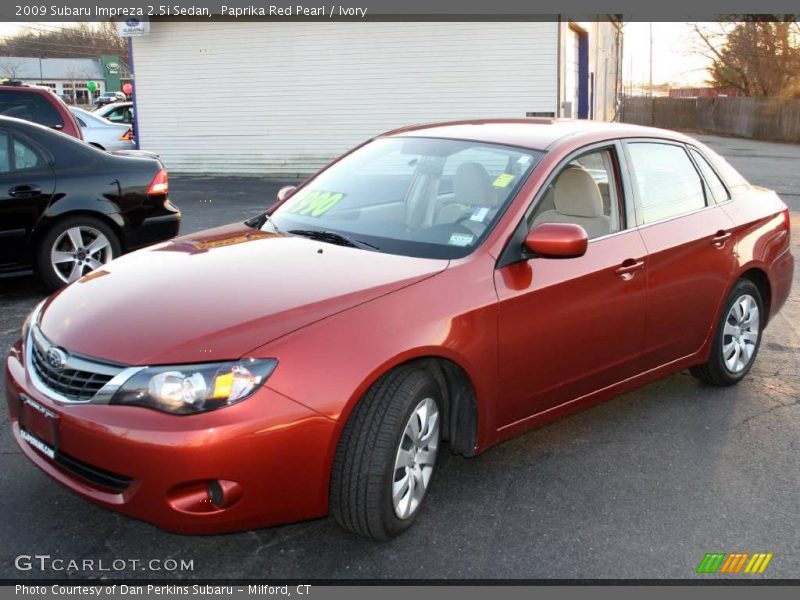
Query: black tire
x=363, y=469
x=44, y=267
x=715, y=371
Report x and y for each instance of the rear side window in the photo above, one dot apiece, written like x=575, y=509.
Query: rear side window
x=5, y=156
x=30, y=106
x=666, y=179
x=715, y=185
x=25, y=157
x=16, y=155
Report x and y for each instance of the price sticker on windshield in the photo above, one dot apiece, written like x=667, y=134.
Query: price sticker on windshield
x=316, y=203
x=503, y=180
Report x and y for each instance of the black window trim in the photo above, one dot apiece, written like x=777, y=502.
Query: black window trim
x=714, y=170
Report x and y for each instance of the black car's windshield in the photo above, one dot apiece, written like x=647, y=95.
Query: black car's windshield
x=426, y=197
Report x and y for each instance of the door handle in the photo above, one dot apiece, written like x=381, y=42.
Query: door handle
x=627, y=270
x=719, y=239
x=24, y=191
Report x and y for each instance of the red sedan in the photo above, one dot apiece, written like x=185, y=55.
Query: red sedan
x=459, y=282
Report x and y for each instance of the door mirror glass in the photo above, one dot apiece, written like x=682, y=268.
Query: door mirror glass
x=557, y=240
x=285, y=192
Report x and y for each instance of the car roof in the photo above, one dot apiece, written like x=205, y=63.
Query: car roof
x=534, y=133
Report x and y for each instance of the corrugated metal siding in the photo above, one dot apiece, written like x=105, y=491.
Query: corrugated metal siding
x=285, y=98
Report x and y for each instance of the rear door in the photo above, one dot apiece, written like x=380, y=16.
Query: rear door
x=27, y=183
x=689, y=245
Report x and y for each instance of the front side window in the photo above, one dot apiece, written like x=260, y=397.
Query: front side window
x=666, y=180
x=585, y=193
x=425, y=197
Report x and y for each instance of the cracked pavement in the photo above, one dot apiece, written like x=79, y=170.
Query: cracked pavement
x=641, y=486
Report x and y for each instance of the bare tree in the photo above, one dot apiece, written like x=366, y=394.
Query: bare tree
x=758, y=56
x=10, y=67
x=79, y=40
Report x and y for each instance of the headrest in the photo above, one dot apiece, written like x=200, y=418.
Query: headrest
x=472, y=185
x=576, y=194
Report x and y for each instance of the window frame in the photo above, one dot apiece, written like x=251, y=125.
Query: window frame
x=513, y=250
x=637, y=201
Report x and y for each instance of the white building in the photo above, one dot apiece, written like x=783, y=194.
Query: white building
x=269, y=98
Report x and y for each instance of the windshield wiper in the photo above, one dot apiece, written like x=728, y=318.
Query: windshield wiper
x=334, y=238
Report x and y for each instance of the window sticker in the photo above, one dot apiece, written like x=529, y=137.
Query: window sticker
x=479, y=214
x=503, y=180
x=461, y=239
x=317, y=203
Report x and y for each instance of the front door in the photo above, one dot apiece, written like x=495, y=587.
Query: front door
x=568, y=327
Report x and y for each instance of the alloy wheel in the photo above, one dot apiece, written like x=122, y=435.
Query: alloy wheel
x=740, y=335
x=416, y=458
x=79, y=250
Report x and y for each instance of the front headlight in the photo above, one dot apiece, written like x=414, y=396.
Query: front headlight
x=189, y=389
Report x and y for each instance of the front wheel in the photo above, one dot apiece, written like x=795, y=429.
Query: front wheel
x=387, y=455
x=737, y=337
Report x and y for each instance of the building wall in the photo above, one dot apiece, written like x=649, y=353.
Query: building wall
x=285, y=98
x=603, y=74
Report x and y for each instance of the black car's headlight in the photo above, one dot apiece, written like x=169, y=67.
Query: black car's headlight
x=189, y=389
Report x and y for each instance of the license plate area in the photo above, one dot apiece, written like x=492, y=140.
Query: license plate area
x=38, y=426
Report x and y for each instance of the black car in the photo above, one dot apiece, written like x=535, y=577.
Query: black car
x=67, y=208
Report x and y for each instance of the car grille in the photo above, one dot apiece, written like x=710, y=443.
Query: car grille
x=74, y=384
x=79, y=379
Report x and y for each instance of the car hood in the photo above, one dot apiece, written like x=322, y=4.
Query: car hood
x=217, y=295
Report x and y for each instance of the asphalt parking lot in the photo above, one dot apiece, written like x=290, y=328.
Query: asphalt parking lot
x=641, y=486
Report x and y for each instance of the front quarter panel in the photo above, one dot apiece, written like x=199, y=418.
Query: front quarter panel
x=329, y=365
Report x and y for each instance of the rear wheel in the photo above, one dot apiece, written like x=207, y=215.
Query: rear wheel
x=73, y=248
x=737, y=337
x=387, y=455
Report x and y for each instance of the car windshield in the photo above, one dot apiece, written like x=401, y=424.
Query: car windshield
x=424, y=197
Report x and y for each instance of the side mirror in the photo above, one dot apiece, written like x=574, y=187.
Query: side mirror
x=557, y=240
x=285, y=192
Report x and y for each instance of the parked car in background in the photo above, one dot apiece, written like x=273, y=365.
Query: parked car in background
x=102, y=133
x=37, y=104
x=118, y=112
x=459, y=282
x=109, y=97
x=67, y=208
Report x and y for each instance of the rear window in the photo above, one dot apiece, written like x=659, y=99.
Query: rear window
x=30, y=106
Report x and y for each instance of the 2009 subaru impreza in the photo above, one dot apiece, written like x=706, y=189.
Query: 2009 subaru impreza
x=459, y=282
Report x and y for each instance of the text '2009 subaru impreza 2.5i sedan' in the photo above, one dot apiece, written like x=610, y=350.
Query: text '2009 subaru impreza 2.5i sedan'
x=459, y=282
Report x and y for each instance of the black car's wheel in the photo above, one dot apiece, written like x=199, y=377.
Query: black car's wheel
x=737, y=337
x=387, y=454
x=74, y=247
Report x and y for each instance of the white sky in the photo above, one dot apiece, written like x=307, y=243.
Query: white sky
x=673, y=60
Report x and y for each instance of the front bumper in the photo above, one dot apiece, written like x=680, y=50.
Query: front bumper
x=271, y=454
